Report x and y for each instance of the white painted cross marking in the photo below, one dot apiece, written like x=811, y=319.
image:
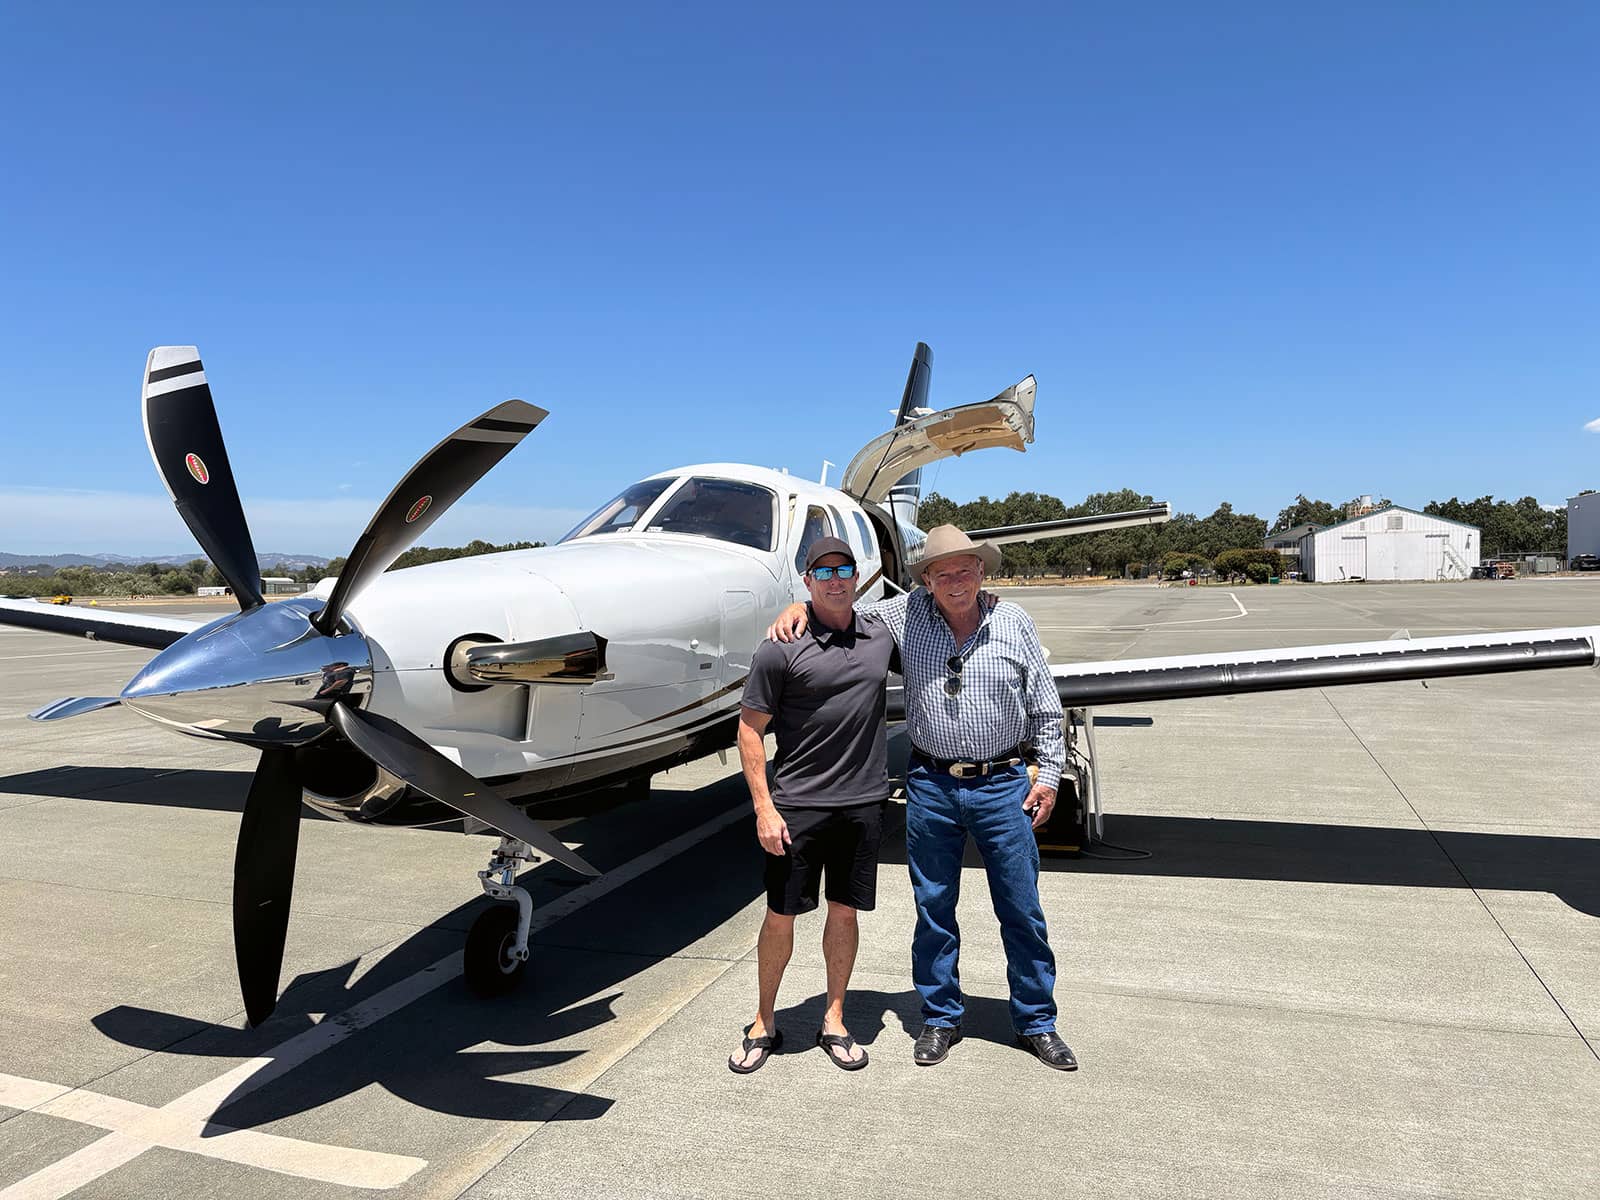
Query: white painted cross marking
x=136, y=1128
x=184, y=1118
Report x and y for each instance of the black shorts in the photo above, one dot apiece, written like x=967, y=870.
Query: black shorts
x=843, y=842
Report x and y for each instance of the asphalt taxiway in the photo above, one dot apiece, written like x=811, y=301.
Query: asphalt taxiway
x=1362, y=959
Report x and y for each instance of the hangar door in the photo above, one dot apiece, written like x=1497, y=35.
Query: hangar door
x=1353, y=558
x=1434, y=566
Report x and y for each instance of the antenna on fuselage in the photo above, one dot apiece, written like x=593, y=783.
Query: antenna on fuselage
x=825, y=465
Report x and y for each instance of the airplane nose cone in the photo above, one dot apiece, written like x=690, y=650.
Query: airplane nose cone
x=264, y=677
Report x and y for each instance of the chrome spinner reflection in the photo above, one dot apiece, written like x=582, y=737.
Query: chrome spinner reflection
x=264, y=677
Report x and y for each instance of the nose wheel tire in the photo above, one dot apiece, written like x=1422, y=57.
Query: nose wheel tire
x=488, y=963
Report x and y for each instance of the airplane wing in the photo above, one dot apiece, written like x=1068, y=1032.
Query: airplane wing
x=1002, y=535
x=1188, y=676
x=101, y=625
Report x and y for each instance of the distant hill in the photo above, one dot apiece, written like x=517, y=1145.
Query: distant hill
x=272, y=561
x=293, y=561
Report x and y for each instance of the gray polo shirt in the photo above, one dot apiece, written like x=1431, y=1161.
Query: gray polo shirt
x=824, y=692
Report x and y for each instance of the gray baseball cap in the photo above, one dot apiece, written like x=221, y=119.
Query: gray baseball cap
x=823, y=547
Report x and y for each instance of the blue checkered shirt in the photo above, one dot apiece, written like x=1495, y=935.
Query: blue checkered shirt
x=1007, y=692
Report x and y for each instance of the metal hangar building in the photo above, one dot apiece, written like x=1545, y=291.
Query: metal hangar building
x=1583, y=524
x=1392, y=543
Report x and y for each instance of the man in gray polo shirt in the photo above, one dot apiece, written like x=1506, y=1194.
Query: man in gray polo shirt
x=823, y=697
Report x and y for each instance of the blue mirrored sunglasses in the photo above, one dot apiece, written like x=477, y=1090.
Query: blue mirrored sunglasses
x=823, y=574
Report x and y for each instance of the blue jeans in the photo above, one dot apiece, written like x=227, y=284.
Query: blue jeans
x=940, y=812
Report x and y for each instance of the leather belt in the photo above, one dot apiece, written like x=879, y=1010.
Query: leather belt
x=963, y=768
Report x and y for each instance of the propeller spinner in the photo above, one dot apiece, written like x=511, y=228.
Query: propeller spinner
x=277, y=676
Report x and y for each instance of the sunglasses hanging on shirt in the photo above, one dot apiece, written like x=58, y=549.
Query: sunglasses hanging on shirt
x=952, y=685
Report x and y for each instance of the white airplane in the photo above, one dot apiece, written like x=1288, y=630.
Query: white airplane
x=480, y=687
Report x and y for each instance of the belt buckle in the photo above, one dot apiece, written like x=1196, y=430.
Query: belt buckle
x=963, y=770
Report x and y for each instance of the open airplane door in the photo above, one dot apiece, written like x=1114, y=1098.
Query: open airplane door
x=1007, y=420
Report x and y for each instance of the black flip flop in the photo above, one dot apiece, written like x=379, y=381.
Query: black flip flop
x=828, y=1041
x=768, y=1046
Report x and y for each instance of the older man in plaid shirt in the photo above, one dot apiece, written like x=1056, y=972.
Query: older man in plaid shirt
x=977, y=689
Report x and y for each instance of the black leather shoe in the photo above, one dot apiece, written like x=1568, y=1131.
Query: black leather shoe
x=1048, y=1049
x=934, y=1043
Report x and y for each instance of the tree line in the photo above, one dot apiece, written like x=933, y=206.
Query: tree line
x=1186, y=542
x=1192, y=542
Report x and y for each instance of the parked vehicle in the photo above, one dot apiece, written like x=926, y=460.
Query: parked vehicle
x=1586, y=562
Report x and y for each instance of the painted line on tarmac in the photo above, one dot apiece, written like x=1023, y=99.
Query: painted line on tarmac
x=1149, y=625
x=190, y=1114
x=138, y=1127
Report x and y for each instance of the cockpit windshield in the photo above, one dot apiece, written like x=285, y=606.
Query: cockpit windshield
x=725, y=509
x=620, y=512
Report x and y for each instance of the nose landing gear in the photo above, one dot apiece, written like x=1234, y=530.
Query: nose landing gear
x=496, y=955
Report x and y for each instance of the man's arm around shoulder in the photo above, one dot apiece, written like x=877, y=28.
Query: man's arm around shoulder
x=792, y=621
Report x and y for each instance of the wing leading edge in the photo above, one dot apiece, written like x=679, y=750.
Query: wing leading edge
x=1004, y=535
x=1192, y=676
x=101, y=625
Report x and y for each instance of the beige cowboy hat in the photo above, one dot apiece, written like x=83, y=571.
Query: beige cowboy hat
x=946, y=541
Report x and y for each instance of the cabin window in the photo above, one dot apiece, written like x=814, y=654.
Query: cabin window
x=868, y=547
x=620, y=512
x=724, y=509
x=816, y=527
x=841, y=530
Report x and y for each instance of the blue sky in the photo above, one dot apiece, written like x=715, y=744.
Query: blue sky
x=1247, y=249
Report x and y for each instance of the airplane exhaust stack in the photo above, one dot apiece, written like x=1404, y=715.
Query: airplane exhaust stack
x=571, y=658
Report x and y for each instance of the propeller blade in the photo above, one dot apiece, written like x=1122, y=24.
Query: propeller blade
x=398, y=750
x=180, y=424
x=422, y=497
x=263, y=879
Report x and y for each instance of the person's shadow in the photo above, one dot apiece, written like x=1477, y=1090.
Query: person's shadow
x=869, y=1014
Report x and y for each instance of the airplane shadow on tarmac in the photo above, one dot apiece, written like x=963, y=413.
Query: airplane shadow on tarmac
x=1568, y=867
x=225, y=791
x=1200, y=847
x=451, y=1051
x=1207, y=848
x=170, y=787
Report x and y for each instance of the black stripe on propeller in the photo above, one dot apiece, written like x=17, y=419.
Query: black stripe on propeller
x=401, y=752
x=432, y=486
x=180, y=423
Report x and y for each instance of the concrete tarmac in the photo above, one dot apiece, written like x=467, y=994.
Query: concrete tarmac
x=1361, y=959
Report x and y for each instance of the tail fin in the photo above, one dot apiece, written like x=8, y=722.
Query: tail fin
x=906, y=495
